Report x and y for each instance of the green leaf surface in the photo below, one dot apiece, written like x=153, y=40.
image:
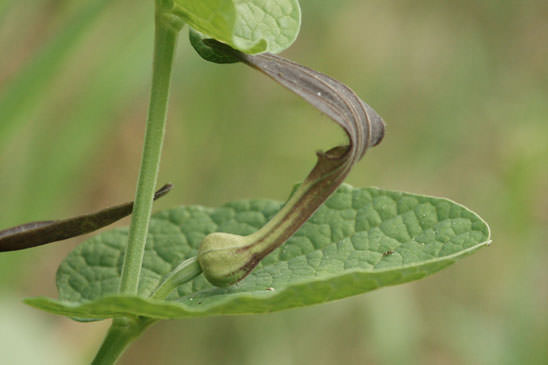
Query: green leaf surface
x=359, y=240
x=251, y=26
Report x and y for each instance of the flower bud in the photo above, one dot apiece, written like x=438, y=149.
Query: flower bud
x=225, y=258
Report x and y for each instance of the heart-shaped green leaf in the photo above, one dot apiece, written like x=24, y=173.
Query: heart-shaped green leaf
x=251, y=26
x=359, y=240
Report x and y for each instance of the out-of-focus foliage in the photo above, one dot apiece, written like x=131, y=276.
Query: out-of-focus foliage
x=463, y=87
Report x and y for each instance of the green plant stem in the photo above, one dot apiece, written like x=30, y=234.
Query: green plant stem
x=164, y=48
x=121, y=333
x=124, y=330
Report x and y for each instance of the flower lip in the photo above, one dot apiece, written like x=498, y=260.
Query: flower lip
x=377, y=125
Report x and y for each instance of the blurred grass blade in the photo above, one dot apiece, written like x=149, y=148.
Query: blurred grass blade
x=4, y=8
x=22, y=93
x=97, y=112
x=39, y=233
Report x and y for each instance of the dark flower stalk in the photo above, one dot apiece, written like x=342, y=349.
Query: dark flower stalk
x=40, y=233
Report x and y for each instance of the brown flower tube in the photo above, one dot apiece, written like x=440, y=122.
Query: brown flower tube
x=227, y=258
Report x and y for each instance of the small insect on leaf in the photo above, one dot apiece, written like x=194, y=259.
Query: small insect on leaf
x=40, y=233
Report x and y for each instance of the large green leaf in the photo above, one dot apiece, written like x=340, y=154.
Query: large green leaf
x=360, y=240
x=251, y=26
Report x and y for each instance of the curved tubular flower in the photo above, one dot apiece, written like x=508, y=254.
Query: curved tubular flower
x=227, y=258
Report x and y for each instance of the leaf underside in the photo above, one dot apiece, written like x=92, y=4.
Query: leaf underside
x=251, y=26
x=359, y=240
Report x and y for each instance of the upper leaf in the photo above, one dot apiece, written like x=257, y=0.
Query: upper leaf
x=359, y=240
x=251, y=26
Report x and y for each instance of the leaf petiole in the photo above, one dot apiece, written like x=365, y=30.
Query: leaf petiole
x=183, y=273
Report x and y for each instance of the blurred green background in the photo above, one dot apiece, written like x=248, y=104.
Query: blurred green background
x=462, y=85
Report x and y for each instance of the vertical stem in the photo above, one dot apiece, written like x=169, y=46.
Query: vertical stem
x=121, y=333
x=164, y=47
x=124, y=330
